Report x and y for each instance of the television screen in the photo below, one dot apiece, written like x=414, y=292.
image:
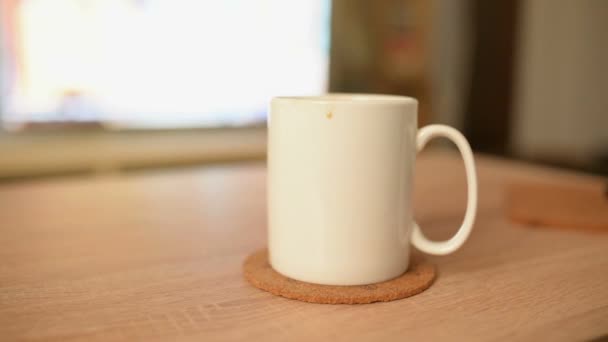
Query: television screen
x=158, y=63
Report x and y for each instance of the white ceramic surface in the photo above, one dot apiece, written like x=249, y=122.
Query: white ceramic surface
x=340, y=171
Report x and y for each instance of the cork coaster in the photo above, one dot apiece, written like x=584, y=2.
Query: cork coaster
x=260, y=274
x=559, y=206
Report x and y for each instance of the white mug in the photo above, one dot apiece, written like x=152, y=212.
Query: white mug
x=340, y=171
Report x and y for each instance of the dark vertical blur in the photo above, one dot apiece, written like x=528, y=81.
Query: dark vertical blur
x=490, y=97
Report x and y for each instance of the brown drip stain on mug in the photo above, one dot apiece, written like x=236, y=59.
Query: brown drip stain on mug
x=329, y=115
x=259, y=273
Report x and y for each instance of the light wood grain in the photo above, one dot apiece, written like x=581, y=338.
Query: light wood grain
x=157, y=256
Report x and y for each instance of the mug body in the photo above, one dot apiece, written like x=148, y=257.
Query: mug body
x=340, y=171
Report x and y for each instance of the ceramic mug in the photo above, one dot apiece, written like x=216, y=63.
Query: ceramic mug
x=340, y=171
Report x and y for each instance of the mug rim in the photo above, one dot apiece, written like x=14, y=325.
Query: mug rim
x=359, y=98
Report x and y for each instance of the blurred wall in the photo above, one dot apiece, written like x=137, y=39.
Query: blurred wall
x=383, y=47
x=451, y=60
x=561, y=98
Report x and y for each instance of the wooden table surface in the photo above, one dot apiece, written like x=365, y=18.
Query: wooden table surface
x=157, y=256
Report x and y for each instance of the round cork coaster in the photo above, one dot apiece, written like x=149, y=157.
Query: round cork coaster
x=260, y=274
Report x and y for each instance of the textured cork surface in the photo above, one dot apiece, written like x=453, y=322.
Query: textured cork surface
x=260, y=274
x=558, y=206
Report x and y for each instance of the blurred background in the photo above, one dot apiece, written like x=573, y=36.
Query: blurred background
x=101, y=86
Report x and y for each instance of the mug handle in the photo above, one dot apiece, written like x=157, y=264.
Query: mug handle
x=446, y=247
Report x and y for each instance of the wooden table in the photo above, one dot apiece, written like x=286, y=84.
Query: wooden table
x=157, y=256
